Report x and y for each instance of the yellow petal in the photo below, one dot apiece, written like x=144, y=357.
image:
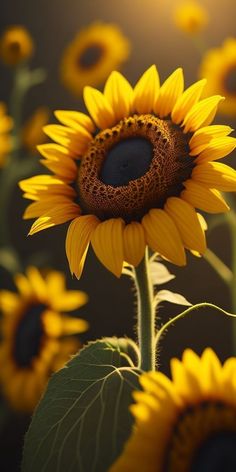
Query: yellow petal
x=37, y=283
x=202, y=221
x=186, y=220
x=9, y=302
x=71, y=325
x=215, y=175
x=56, y=324
x=134, y=243
x=39, y=208
x=203, y=136
x=55, y=281
x=163, y=237
x=47, y=185
x=55, y=216
x=69, y=300
x=77, y=242
x=206, y=199
x=75, y=119
x=65, y=169
x=211, y=370
x=76, y=142
x=118, y=93
x=180, y=379
x=23, y=285
x=202, y=113
x=99, y=108
x=107, y=242
x=185, y=102
x=170, y=91
x=146, y=91
x=52, y=150
x=217, y=149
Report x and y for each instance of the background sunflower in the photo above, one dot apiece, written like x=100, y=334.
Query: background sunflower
x=33, y=334
x=219, y=67
x=92, y=55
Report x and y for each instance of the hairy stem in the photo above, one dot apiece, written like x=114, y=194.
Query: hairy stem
x=146, y=315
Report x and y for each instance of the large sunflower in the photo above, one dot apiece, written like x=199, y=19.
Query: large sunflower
x=33, y=334
x=184, y=425
x=5, y=139
x=93, y=54
x=219, y=67
x=132, y=174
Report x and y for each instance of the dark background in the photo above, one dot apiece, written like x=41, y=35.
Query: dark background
x=154, y=38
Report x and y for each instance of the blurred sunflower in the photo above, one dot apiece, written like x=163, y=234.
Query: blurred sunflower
x=219, y=67
x=33, y=334
x=131, y=175
x=32, y=132
x=16, y=45
x=92, y=55
x=190, y=17
x=184, y=425
x=6, y=125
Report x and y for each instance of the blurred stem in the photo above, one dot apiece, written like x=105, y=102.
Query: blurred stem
x=16, y=168
x=231, y=219
x=146, y=314
x=219, y=266
x=200, y=44
x=24, y=79
x=215, y=222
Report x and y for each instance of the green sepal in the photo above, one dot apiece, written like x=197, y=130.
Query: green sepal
x=83, y=419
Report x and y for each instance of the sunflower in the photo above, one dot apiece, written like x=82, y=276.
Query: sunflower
x=133, y=173
x=6, y=125
x=219, y=67
x=92, y=55
x=33, y=334
x=190, y=17
x=16, y=45
x=184, y=425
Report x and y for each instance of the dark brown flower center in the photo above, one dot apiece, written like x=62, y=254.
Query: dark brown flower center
x=204, y=440
x=133, y=167
x=14, y=47
x=28, y=335
x=230, y=81
x=90, y=56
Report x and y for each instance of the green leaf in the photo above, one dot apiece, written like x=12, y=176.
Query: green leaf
x=171, y=297
x=83, y=419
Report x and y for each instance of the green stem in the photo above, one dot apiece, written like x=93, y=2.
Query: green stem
x=146, y=315
x=231, y=218
x=219, y=266
x=24, y=79
x=187, y=312
x=200, y=44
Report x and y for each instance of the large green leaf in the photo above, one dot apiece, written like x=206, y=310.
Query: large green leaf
x=83, y=419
